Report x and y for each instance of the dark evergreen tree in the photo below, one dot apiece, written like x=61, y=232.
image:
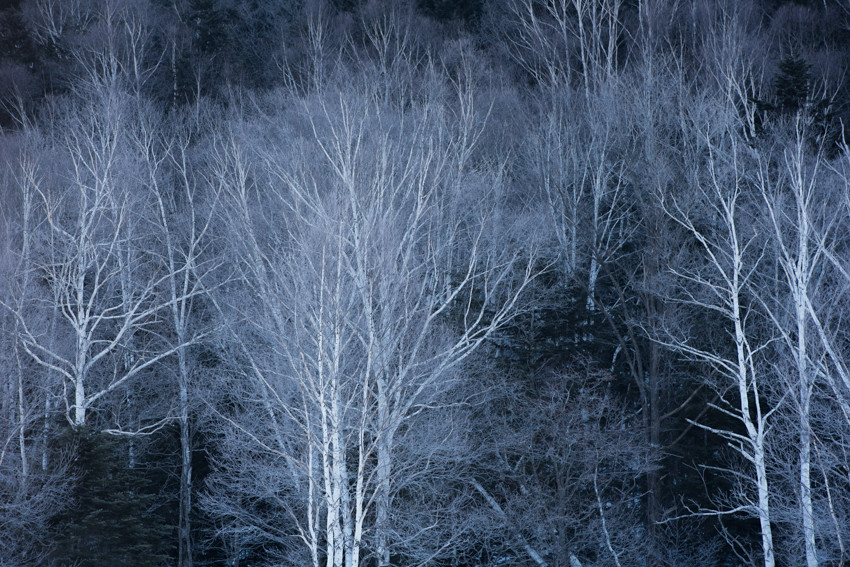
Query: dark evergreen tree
x=792, y=83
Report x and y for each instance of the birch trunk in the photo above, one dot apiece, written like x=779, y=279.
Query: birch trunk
x=384, y=474
x=793, y=232
x=184, y=528
x=725, y=277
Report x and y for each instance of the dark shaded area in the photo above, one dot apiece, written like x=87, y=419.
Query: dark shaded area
x=114, y=515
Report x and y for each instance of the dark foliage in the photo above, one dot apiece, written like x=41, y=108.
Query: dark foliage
x=113, y=517
x=792, y=83
x=467, y=11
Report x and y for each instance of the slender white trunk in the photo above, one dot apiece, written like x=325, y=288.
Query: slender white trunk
x=584, y=48
x=341, y=479
x=592, y=276
x=798, y=265
x=598, y=192
x=45, y=433
x=805, y=392
x=338, y=525
x=755, y=431
x=313, y=511
x=382, y=500
x=80, y=357
x=806, y=494
x=573, y=259
x=764, y=505
x=22, y=425
x=532, y=553
x=801, y=289
x=80, y=392
x=185, y=520
x=48, y=404
x=131, y=445
x=605, y=531
x=24, y=270
x=333, y=537
x=338, y=488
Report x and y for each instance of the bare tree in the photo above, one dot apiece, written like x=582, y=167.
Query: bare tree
x=103, y=282
x=560, y=468
x=797, y=200
x=578, y=160
x=825, y=321
x=184, y=219
x=721, y=227
x=385, y=277
x=32, y=487
x=547, y=36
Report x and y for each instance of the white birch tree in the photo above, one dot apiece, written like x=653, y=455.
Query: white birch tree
x=383, y=277
x=721, y=227
x=796, y=196
x=32, y=487
x=550, y=38
x=96, y=258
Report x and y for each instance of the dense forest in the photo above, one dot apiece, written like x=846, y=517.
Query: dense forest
x=462, y=283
